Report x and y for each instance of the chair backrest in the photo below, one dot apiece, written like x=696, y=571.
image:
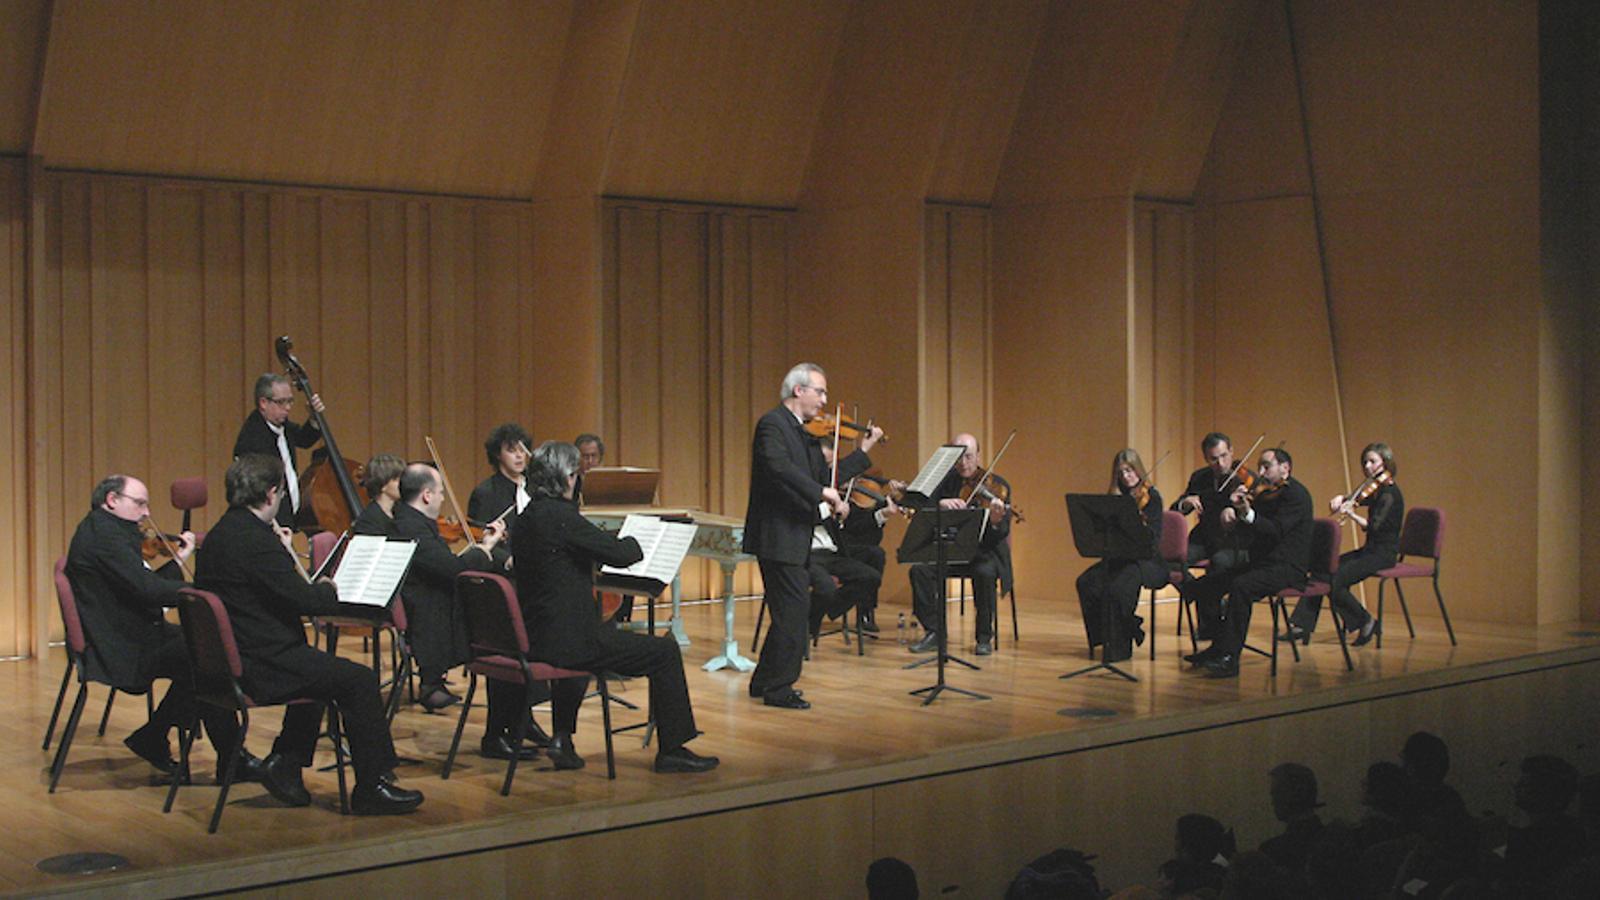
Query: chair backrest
x=1422, y=532
x=70, y=620
x=189, y=493
x=1174, y=538
x=322, y=544
x=1326, y=539
x=208, y=633
x=494, y=617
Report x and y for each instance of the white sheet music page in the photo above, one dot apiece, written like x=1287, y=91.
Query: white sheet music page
x=934, y=470
x=664, y=544
x=371, y=569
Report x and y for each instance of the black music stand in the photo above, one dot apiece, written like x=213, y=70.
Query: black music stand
x=942, y=537
x=1107, y=526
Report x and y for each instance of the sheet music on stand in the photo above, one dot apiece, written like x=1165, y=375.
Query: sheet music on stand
x=372, y=569
x=934, y=470
x=664, y=544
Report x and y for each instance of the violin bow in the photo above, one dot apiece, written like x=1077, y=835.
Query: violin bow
x=990, y=471
x=450, y=492
x=1241, y=461
x=171, y=550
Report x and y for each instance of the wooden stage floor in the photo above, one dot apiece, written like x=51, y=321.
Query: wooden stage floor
x=864, y=729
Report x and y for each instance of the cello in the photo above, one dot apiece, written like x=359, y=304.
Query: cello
x=329, y=483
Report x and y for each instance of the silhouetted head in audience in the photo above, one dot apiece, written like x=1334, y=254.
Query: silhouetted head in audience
x=1061, y=874
x=1384, y=789
x=891, y=879
x=1546, y=786
x=1294, y=791
x=1426, y=759
x=1202, y=839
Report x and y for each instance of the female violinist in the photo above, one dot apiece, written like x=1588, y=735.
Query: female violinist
x=1386, y=508
x=1117, y=581
x=381, y=480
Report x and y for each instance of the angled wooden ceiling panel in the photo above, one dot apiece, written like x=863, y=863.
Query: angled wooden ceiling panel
x=721, y=99
x=412, y=94
x=22, y=29
x=995, y=61
x=1095, y=82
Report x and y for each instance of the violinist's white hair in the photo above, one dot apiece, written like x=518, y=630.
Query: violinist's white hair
x=798, y=377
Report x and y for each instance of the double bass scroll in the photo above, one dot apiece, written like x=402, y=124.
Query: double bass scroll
x=333, y=503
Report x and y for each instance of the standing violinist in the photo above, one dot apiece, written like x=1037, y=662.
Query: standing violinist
x=1117, y=581
x=268, y=430
x=992, y=563
x=1207, y=494
x=1386, y=508
x=1273, y=522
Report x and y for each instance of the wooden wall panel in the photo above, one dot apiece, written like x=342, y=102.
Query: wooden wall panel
x=695, y=301
x=16, y=613
x=955, y=349
x=1161, y=343
x=25, y=24
x=160, y=302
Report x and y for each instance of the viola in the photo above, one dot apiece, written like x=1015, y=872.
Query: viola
x=823, y=426
x=452, y=531
x=873, y=490
x=980, y=490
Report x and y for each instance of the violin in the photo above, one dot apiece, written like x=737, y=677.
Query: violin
x=157, y=544
x=872, y=490
x=979, y=490
x=452, y=531
x=1364, y=492
x=823, y=426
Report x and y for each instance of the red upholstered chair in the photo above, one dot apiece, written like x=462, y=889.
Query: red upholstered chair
x=1324, y=541
x=323, y=544
x=1174, y=552
x=214, y=662
x=498, y=646
x=1326, y=537
x=1421, y=535
x=77, y=647
x=189, y=494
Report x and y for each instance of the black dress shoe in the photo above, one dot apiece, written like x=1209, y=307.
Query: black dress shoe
x=151, y=745
x=534, y=734
x=1295, y=633
x=250, y=769
x=684, y=760
x=1224, y=666
x=868, y=626
x=383, y=798
x=1372, y=629
x=281, y=777
x=498, y=746
x=437, y=697
x=984, y=648
x=1203, y=657
x=562, y=753
x=791, y=700
x=927, y=644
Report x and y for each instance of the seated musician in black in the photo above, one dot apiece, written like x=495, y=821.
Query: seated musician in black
x=1207, y=493
x=382, y=483
x=121, y=602
x=991, y=565
x=557, y=550
x=1116, y=582
x=848, y=550
x=437, y=631
x=504, y=493
x=1275, y=526
x=248, y=563
x=1386, y=508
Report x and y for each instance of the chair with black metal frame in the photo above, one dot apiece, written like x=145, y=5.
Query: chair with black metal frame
x=498, y=648
x=77, y=647
x=393, y=621
x=1174, y=552
x=965, y=579
x=1421, y=535
x=1326, y=538
x=216, y=667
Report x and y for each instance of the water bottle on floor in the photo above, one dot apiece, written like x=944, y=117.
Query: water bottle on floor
x=902, y=630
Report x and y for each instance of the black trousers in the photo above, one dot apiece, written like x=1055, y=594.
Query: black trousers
x=788, y=589
x=873, y=556
x=1354, y=567
x=858, y=585
x=1115, y=583
x=432, y=632
x=984, y=570
x=355, y=688
x=1216, y=550
x=177, y=707
x=627, y=653
x=1242, y=587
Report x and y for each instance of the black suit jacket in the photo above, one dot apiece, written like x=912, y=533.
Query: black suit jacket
x=557, y=550
x=787, y=475
x=996, y=537
x=1281, y=532
x=255, y=436
x=374, y=521
x=432, y=577
x=243, y=562
x=119, y=599
x=490, y=498
x=1203, y=484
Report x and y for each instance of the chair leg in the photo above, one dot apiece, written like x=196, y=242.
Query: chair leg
x=755, y=639
x=461, y=725
x=1273, y=606
x=1294, y=646
x=1016, y=633
x=185, y=742
x=336, y=735
x=1442, y=611
x=1405, y=609
x=1379, y=626
x=519, y=731
x=605, y=719
x=861, y=642
x=106, y=716
x=61, y=695
x=230, y=771
x=1152, y=631
x=67, y=732
x=1188, y=613
x=1344, y=645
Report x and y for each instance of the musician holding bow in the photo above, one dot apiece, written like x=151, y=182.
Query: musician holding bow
x=1386, y=507
x=268, y=431
x=1207, y=494
x=1117, y=581
x=992, y=563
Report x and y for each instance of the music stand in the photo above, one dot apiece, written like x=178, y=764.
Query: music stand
x=942, y=537
x=1107, y=526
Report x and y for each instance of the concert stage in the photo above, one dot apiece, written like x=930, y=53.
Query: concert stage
x=967, y=791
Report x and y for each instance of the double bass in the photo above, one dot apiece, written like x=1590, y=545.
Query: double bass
x=331, y=499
